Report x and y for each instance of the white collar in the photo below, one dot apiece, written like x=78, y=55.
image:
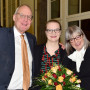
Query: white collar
x=16, y=33
x=78, y=57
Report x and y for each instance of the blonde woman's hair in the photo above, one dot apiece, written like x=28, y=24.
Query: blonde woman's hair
x=69, y=32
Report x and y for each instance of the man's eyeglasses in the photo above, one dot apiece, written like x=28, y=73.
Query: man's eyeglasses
x=53, y=30
x=29, y=17
x=78, y=37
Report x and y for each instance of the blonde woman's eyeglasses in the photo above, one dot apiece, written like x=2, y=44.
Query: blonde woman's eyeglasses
x=78, y=37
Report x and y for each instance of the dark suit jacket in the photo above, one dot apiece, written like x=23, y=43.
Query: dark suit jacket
x=7, y=54
x=84, y=73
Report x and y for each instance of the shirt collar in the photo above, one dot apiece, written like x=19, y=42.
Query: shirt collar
x=78, y=57
x=45, y=51
x=81, y=51
x=16, y=33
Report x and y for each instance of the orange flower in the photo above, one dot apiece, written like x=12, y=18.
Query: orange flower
x=59, y=87
x=69, y=72
x=49, y=74
x=60, y=79
x=78, y=81
x=73, y=79
x=54, y=69
x=43, y=79
x=50, y=82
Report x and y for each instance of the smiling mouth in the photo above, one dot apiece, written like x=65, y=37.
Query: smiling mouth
x=77, y=44
x=53, y=36
x=24, y=24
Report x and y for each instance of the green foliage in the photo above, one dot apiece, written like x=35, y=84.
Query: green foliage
x=58, y=75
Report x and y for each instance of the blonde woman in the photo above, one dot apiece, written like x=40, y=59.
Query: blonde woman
x=78, y=50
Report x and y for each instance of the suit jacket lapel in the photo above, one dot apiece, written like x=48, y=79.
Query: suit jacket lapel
x=30, y=42
x=12, y=45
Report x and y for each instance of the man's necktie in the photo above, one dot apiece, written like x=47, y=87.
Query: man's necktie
x=26, y=72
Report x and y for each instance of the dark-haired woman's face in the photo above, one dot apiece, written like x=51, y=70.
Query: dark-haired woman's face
x=53, y=32
x=77, y=41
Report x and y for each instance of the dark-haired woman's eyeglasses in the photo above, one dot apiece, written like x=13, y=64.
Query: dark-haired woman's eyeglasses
x=53, y=30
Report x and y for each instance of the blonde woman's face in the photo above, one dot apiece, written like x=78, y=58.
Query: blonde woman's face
x=77, y=41
x=53, y=32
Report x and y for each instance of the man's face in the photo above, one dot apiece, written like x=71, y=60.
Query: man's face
x=23, y=19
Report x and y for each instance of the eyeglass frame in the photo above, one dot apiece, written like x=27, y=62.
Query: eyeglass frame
x=29, y=17
x=78, y=37
x=55, y=30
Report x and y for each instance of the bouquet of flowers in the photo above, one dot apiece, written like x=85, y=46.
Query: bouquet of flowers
x=58, y=78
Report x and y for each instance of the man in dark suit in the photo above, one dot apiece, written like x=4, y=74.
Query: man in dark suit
x=11, y=68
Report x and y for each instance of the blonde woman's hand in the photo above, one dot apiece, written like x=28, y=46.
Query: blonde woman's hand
x=62, y=46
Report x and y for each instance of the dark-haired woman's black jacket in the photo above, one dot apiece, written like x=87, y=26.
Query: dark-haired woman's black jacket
x=38, y=57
